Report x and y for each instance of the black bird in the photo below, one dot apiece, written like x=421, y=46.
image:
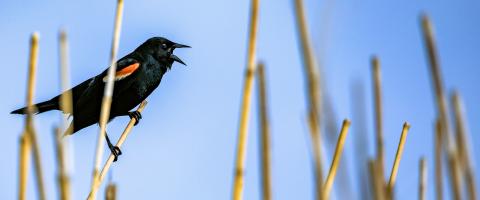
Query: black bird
x=137, y=75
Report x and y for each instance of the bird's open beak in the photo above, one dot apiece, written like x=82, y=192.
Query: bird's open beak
x=176, y=58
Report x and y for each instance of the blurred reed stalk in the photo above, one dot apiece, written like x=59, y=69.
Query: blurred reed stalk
x=111, y=191
x=438, y=161
x=241, y=154
x=422, y=186
x=377, y=182
x=327, y=187
x=28, y=141
x=377, y=88
x=398, y=157
x=464, y=151
x=66, y=106
x=119, y=144
x=107, y=97
x=24, y=165
x=265, y=133
x=62, y=176
x=442, y=110
x=312, y=84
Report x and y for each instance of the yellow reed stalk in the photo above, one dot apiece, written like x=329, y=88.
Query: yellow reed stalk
x=265, y=133
x=438, y=161
x=314, y=98
x=29, y=127
x=24, y=161
x=327, y=187
x=377, y=182
x=455, y=176
x=66, y=98
x=464, y=151
x=241, y=154
x=317, y=156
x=398, y=157
x=62, y=175
x=422, y=186
x=107, y=95
x=442, y=110
x=111, y=191
x=119, y=144
x=66, y=106
x=377, y=88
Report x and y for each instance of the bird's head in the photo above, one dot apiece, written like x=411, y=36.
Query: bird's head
x=162, y=49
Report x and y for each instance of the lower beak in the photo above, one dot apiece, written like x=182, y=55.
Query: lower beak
x=176, y=58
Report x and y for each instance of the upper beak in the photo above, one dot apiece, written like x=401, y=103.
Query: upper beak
x=176, y=58
x=176, y=45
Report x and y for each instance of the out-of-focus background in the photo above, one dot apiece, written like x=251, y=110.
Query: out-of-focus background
x=185, y=145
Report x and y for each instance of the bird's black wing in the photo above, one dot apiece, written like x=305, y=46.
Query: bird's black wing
x=95, y=86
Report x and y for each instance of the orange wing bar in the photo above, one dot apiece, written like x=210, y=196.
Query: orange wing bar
x=123, y=73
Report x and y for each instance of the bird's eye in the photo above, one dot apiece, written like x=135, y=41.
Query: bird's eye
x=164, y=46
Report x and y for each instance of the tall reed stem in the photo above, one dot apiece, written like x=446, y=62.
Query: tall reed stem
x=30, y=132
x=265, y=133
x=110, y=159
x=66, y=106
x=464, y=151
x=398, y=157
x=327, y=187
x=107, y=96
x=442, y=110
x=438, y=161
x=241, y=154
x=377, y=88
x=313, y=89
x=422, y=186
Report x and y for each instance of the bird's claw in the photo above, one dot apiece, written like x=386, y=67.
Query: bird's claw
x=115, y=151
x=136, y=115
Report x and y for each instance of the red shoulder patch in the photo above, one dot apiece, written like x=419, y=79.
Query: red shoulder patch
x=123, y=73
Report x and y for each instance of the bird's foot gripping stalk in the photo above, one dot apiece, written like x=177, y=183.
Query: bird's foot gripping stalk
x=136, y=115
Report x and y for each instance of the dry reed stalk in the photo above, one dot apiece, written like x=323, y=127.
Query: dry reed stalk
x=312, y=84
x=107, y=96
x=111, y=191
x=29, y=127
x=377, y=182
x=327, y=187
x=438, y=161
x=317, y=155
x=24, y=161
x=450, y=144
x=62, y=175
x=265, y=133
x=119, y=144
x=241, y=153
x=455, y=176
x=377, y=88
x=422, y=194
x=66, y=106
x=464, y=151
x=66, y=98
x=398, y=157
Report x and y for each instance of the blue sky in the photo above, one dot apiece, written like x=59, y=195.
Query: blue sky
x=184, y=146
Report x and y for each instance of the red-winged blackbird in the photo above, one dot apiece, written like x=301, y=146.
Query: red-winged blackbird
x=137, y=75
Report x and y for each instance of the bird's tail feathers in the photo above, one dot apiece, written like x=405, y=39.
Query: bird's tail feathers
x=39, y=108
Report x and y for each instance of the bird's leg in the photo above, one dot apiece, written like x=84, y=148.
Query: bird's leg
x=136, y=115
x=114, y=149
